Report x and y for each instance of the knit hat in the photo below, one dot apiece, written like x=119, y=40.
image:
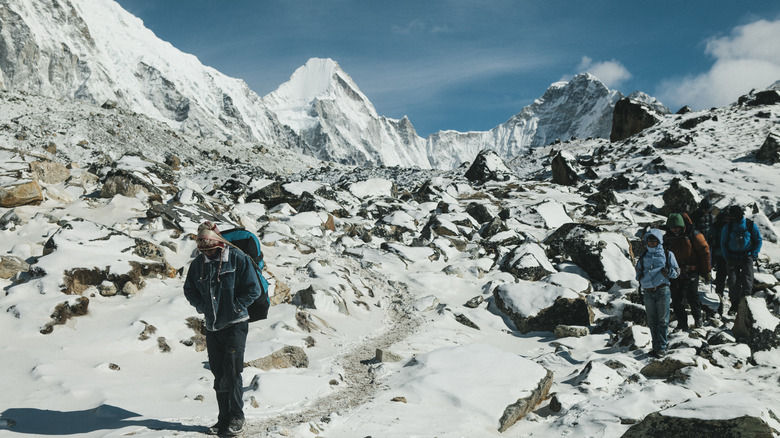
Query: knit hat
x=736, y=212
x=675, y=220
x=209, y=237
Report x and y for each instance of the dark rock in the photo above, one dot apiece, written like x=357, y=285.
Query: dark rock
x=565, y=311
x=273, y=195
x=582, y=245
x=635, y=314
x=564, y=170
x=695, y=121
x=684, y=110
x=527, y=262
x=616, y=183
x=631, y=117
x=490, y=229
x=602, y=200
x=463, y=319
x=765, y=97
x=488, y=166
x=479, y=212
x=747, y=328
x=610, y=324
x=770, y=149
x=658, y=425
x=669, y=141
x=474, y=302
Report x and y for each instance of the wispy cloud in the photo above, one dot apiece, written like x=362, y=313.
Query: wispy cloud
x=391, y=80
x=418, y=26
x=612, y=73
x=748, y=58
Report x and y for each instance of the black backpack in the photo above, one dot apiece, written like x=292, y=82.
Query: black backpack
x=248, y=243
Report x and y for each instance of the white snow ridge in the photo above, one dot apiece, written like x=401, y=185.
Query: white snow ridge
x=473, y=284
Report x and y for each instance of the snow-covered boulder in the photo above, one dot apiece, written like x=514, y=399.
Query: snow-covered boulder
x=471, y=384
x=488, y=166
x=722, y=415
x=756, y=325
x=528, y=262
x=535, y=306
x=605, y=256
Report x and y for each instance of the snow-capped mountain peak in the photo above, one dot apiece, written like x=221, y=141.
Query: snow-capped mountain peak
x=318, y=79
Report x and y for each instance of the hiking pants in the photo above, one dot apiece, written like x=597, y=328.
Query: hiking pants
x=740, y=279
x=721, y=271
x=657, y=308
x=685, y=287
x=226, y=359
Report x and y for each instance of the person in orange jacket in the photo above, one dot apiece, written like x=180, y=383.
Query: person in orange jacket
x=693, y=255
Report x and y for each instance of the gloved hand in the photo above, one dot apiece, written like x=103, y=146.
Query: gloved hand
x=665, y=272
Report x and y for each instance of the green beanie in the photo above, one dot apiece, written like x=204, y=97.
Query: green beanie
x=675, y=220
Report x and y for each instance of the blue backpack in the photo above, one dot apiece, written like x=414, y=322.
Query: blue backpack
x=248, y=243
x=740, y=241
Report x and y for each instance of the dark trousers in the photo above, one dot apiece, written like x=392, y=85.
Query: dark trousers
x=740, y=279
x=226, y=359
x=721, y=271
x=686, y=286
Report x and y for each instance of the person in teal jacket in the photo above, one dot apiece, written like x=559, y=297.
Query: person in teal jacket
x=740, y=243
x=221, y=283
x=653, y=270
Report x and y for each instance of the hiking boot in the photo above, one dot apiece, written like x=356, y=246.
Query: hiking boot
x=235, y=427
x=216, y=429
x=658, y=354
x=697, y=323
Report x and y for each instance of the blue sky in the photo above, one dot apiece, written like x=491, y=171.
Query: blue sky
x=471, y=65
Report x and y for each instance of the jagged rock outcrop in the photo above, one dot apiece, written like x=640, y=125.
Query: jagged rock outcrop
x=564, y=169
x=488, y=166
x=631, y=117
x=516, y=411
x=770, y=149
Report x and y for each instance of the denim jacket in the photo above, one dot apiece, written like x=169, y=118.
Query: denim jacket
x=649, y=267
x=222, y=301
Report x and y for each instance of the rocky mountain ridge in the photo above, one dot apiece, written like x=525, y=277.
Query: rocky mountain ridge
x=94, y=51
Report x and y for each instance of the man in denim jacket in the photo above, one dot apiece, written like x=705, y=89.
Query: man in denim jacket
x=653, y=270
x=221, y=283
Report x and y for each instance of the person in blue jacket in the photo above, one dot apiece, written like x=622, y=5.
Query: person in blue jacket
x=740, y=243
x=221, y=283
x=653, y=271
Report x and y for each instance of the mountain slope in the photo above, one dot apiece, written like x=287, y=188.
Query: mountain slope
x=579, y=108
x=94, y=51
x=337, y=121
